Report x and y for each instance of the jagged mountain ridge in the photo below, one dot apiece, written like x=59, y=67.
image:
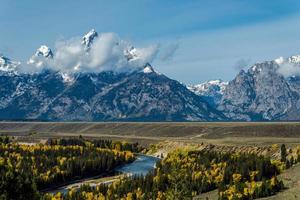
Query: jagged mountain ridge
x=106, y=96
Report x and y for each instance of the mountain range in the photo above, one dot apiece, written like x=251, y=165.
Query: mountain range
x=140, y=95
x=264, y=92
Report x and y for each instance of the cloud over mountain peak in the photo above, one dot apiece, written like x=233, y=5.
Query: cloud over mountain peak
x=91, y=53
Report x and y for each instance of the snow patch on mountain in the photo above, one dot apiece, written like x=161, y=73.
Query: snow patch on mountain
x=148, y=69
x=67, y=78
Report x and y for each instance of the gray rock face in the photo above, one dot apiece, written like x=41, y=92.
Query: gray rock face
x=262, y=93
x=139, y=96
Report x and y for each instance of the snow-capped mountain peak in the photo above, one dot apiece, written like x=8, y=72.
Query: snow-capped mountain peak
x=8, y=65
x=148, y=69
x=41, y=55
x=44, y=51
x=88, y=38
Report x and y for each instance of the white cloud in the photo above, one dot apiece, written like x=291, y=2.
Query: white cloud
x=107, y=53
x=213, y=54
x=68, y=55
x=289, y=69
x=242, y=64
x=169, y=51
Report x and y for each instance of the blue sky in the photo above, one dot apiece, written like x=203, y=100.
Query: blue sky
x=213, y=39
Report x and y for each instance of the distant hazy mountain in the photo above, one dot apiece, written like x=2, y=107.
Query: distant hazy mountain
x=212, y=91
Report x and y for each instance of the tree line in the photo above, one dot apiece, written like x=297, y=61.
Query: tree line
x=106, y=144
x=27, y=169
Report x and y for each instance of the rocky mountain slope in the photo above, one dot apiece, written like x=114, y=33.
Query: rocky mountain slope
x=264, y=92
x=144, y=95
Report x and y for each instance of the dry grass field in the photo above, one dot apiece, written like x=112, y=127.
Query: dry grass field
x=251, y=133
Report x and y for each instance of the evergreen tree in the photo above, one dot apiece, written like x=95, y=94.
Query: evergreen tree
x=283, y=153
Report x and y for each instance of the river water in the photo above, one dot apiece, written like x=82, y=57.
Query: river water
x=141, y=166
